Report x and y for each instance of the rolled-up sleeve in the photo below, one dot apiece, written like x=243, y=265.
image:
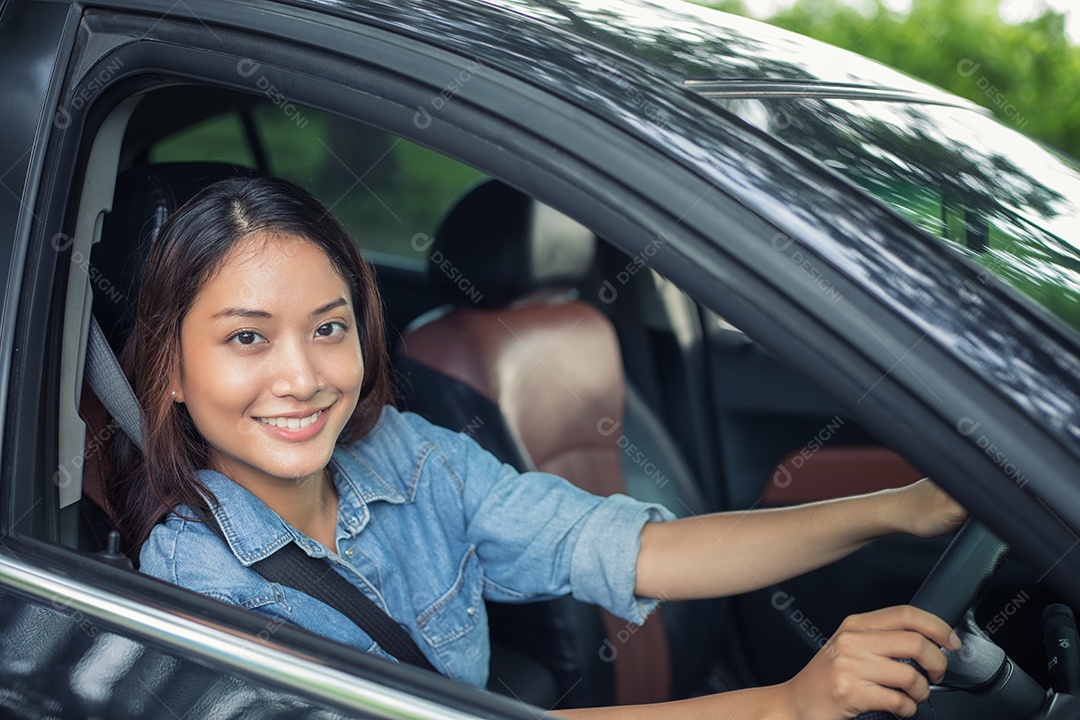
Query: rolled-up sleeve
x=538, y=536
x=603, y=565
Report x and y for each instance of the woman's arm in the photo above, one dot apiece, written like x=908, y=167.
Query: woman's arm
x=736, y=552
x=853, y=673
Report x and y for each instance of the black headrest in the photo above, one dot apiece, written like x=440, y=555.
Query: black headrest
x=145, y=196
x=497, y=245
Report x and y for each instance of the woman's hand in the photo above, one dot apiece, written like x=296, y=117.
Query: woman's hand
x=925, y=510
x=855, y=672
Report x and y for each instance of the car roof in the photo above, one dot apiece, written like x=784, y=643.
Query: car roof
x=681, y=46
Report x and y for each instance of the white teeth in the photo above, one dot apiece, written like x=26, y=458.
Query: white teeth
x=290, y=423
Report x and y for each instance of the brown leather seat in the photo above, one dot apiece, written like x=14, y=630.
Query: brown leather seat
x=537, y=377
x=829, y=473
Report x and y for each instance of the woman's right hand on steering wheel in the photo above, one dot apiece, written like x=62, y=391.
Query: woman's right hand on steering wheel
x=856, y=670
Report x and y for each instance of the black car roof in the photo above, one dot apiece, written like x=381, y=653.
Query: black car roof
x=676, y=45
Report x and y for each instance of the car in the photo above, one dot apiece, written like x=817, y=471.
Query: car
x=779, y=271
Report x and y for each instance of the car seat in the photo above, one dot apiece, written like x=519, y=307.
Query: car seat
x=536, y=377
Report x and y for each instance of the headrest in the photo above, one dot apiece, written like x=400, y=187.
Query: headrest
x=145, y=196
x=497, y=245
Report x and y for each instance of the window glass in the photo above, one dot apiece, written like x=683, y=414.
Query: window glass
x=385, y=189
x=218, y=139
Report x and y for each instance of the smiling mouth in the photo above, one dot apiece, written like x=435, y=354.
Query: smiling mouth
x=290, y=423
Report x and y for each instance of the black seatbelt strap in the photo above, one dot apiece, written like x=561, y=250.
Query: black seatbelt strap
x=289, y=566
x=292, y=567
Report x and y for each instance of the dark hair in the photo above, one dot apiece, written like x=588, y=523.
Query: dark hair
x=191, y=247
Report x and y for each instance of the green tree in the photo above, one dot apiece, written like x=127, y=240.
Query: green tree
x=1027, y=74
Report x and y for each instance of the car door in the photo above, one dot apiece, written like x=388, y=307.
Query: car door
x=588, y=159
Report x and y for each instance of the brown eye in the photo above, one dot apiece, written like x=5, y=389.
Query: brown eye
x=247, y=337
x=330, y=329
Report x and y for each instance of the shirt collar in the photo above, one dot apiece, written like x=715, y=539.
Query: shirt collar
x=254, y=531
x=358, y=484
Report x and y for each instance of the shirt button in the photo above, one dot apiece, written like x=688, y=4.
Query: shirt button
x=470, y=611
x=349, y=552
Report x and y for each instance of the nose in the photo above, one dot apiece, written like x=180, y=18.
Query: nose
x=296, y=371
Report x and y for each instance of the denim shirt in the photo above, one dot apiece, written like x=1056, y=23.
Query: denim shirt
x=429, y=526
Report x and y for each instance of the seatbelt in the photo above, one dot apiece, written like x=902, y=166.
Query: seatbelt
x=289, y=566
x=109, y=383
x=292, y=567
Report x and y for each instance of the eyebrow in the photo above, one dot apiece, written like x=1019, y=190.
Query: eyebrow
x=243, y=312
x=340, y=302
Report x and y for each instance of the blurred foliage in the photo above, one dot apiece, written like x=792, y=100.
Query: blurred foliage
x=1027, y=74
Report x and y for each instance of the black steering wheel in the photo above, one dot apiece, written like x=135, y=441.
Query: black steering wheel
x=961, y=574
x=981, y=680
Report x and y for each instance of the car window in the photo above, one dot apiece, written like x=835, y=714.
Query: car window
x=385, y=189
x=220, y=139
x=1001, y=198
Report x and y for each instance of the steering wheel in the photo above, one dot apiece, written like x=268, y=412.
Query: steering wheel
x=981, y=680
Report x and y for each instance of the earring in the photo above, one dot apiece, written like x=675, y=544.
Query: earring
x=174, y=393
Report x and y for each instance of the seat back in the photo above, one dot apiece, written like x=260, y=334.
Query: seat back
x=536, y=377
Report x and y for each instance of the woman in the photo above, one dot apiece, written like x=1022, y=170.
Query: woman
x=259, y=362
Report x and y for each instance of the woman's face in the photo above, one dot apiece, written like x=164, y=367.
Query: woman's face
x=270, y=361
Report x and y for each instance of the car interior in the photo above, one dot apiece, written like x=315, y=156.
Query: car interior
x=556, y=351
